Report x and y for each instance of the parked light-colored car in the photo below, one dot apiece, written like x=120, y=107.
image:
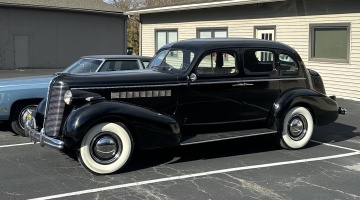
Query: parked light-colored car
x=20, y=95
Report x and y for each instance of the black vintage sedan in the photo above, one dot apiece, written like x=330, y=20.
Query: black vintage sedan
x=193, y=91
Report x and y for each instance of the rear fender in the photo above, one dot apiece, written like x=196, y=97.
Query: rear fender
x=323, y=109
x=153, y=129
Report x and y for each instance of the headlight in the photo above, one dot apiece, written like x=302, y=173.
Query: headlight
x=68, y=97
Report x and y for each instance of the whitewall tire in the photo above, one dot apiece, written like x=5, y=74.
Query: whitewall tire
x=106, y=148
x=298, y=126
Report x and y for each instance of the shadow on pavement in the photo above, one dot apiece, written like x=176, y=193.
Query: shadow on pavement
x=5, y=127
x=335, y=132
x=142, y=159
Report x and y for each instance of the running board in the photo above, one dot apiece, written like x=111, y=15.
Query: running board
x=212, y=137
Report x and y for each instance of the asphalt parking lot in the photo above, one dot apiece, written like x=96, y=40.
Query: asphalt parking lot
x=250, y=168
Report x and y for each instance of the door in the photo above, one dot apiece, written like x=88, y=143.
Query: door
x=21, y=51
x=260, y=88
x=212, y=97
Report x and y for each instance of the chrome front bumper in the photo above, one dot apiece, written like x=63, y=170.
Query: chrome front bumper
x=40, y=137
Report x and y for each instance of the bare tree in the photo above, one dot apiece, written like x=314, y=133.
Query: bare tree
x=133, y=21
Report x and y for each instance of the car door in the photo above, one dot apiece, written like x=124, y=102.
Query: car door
x=260, y=86
x=212, y=97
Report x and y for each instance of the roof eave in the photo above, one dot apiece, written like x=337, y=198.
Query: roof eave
x=198, y=6
x=61, y=8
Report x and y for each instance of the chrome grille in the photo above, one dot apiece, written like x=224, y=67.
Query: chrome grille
x=55, y=110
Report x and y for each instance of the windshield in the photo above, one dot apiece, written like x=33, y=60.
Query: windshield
x=84, y=65
x=173, y=59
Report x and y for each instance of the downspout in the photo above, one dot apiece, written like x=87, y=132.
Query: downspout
x=140, y=35
x=125, y=34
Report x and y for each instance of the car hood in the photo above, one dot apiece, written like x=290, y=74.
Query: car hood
x=119, y=78
x=25, y=82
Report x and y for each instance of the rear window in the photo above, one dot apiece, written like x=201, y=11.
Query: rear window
x=287, y=65
x=119, y=65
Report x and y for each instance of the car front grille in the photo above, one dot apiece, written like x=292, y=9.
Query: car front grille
x=54, y=110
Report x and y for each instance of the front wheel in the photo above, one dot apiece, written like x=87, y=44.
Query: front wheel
x=106, y=148
x=19, y=115
x=298, y=127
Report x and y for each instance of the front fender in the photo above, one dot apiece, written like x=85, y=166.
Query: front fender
x=153, y=129
x=323, y=109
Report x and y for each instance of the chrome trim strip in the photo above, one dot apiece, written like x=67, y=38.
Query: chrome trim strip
x=274, y=79
x=245, y=81
x=194, y=83
x=291, y=79
x=229, y=138
x=215, y=82
x=134, y=86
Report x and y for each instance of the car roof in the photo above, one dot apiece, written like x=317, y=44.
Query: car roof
x=213, y=43
x=144, y=58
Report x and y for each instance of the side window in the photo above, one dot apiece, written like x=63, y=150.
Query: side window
x=218, y=63
x=287, y=64
x=118, y=65
x=258, y=62
x=179, y=59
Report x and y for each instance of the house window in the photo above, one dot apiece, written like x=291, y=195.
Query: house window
x=212, y=33
x=264, y=32
x=330, y=42
x=163, y=37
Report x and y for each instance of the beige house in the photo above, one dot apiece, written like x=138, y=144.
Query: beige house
x=326, y=33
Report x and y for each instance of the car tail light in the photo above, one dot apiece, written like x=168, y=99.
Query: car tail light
x=317, y=82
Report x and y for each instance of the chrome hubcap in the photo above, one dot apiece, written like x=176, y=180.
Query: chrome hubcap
x=23, y=115
x=106, y=148
x=297, y=127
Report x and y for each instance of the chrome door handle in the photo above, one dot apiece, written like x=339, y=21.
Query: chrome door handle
x=248, y=84
x=239, y=84
x=242, y=84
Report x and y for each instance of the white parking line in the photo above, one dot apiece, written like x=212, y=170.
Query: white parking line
x=14, y=145
x=332, y=145
x=355, y=152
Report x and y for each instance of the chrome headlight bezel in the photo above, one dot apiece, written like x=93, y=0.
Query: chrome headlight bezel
x=68, y=97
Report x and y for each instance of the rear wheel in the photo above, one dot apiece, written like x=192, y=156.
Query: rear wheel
x=106, y=148
x=18, y=116
x=297, y=128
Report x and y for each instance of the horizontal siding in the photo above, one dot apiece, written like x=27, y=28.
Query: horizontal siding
x=341, y=79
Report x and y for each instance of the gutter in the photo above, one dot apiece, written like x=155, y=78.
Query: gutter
x=198, y=6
